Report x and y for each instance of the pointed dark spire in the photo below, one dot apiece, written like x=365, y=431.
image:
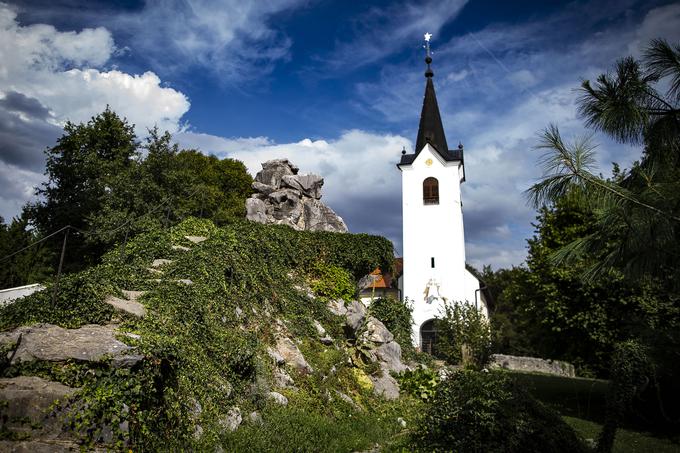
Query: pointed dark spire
x=430, y=129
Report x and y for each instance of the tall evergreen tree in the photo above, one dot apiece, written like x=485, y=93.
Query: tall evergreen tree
x=636, y=215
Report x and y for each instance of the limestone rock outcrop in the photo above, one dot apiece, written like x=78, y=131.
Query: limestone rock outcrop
x=378, y=343
x=292, y=355
x=282, y=196
x=27, y=405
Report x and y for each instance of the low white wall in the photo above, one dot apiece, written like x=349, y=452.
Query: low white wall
x=9, y=295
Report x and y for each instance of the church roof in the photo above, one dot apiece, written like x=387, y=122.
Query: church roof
x=430, y=129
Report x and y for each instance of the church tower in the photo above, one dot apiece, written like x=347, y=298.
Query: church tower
x=433, y=238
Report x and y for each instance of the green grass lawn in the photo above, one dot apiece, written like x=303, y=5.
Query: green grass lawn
x=576, y=397
x=581, y=403
x=626, y=441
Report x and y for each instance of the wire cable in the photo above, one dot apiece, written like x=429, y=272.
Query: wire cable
x=95, y=232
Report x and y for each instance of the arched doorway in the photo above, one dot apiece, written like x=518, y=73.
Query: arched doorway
x=428, y=337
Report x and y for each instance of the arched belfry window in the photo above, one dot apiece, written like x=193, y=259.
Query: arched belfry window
x=431, y=191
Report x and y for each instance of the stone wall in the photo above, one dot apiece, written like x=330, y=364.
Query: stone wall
x=532, y=365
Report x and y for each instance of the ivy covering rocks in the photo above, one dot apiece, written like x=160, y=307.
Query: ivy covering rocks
x=197, y=359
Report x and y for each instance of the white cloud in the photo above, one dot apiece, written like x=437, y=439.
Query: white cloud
x=230, y=38
x=523, y=78
x=381, y=31
x=658, y=23
x=61, y=70
x=354, y=166
x=457, y=76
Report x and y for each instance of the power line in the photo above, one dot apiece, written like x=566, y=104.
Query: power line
x=35, y=243
x=95, y=232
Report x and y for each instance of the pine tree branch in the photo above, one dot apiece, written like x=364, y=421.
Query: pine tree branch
x=596, y=181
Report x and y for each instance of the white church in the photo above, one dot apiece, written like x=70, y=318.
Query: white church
x=434, y=268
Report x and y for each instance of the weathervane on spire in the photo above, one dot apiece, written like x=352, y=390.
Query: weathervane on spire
x=428, y=54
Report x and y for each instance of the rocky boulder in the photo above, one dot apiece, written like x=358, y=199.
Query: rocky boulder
x=377, y=340
x=385, y=386
x=27, y=405
x=292, y=355
x=52, y=343
x=309, y=185
x=274, y=170
x=284, y=197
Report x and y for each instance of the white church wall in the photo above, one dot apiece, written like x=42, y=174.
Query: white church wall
x=472, y=292
x=432, y=231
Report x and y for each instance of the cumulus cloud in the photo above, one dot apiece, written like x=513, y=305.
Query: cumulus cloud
x=48, y=77
x=59, y=70
x=498, y=88
x=229, y=37
x=659, y=22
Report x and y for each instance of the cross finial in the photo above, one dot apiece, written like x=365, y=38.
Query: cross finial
x=428, y=54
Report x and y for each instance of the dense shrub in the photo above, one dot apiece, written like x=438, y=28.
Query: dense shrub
x=420, y=382
x=332, y=282
x=464, y=335
x=487, y=412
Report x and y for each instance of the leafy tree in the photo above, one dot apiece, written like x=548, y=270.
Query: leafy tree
x=511, y=323
x=28, y=266
x=100, y=183
x=89, y=162
x=550, y=311
x=463, y=335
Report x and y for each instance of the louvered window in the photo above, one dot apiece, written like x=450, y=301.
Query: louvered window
x=431, y=191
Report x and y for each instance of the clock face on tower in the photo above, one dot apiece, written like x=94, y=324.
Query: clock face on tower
x=428, y=162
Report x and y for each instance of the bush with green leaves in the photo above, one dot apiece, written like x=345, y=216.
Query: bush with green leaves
x=332, y=282
x=475, y=411
x=463, y=335
x=419, y=382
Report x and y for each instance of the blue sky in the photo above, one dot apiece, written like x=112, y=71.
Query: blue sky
x=336, y=86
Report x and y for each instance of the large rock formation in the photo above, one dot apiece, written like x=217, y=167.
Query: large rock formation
x=282, y=196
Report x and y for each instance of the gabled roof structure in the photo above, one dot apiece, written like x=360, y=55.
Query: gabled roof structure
x=430, y=129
